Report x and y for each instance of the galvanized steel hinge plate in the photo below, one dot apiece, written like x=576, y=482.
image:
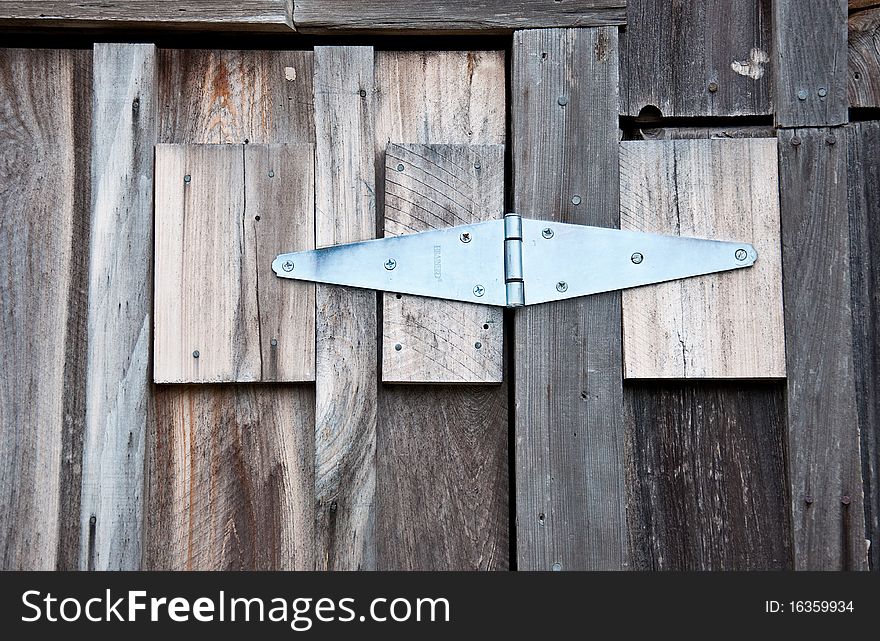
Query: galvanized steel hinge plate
x=514, y=262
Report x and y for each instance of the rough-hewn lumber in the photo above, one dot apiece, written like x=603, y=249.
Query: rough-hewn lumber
x=203, y=15
x=725, y=325
x=863, y=155
x=809, y=61
x=570, y=499
x=697, y=58
x=228, y=435
x=432, y=340
x=223, y=212
x=453, y=16
x=864, y=58
x=710, y=133
x=707, y=476
x=346, y=378
x=452, y=513
x=45, y=109
x=120, y=305
x=824, y=470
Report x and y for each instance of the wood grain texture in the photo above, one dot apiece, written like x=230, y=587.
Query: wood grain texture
x=230, y=474
x=726, y=325
x=570, y=502
x=433, y=340
x=864, y=58
x=863, y=180
x=247, y=15
x=45, y=110
x=226, y=96
x=707, y=476
x=346, y=383
x=223, y=212
x=453, y=16
x=711, y=133
x=700, y=58
x=275, y=415
x=441, y=97
x=809, y=49
x=855, y=5
x=824, y=471
x=120, y=306
x=454, y=475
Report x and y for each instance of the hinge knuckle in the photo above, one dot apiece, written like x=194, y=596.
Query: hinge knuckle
x=513, y=263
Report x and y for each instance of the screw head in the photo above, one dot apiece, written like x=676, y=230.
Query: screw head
x=287, y=266
x=547, y=232
x=196, y=353
x=479, y=290
x=465, y=237
x=575, y=200
x=398, y=347
x=637, y=258
x=802, y=94
x=741, y=254
x=561, y=286
x=562, y=100
x=557, y=567
x=822, y=92
x=390, y=264
x=713, y=87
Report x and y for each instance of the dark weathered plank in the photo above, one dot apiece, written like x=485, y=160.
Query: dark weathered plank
x=823, y=433
x=230, y=97
x=809, y=61
x=230, y=476
x=346, y=367
x=45, y=108
x=453, y=16
x=707, y=476
x=205, y=15
x=864, y=58
x=698, y=58
x=712, y=133
x=570, y=499
x=120, y=305
x=433, y=98
x=863, y=162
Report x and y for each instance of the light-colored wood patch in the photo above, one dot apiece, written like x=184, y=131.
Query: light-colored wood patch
x=222, y=214
x=726, y=325
x=429, y=340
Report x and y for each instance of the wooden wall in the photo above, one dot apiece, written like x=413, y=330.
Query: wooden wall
x=562, y=465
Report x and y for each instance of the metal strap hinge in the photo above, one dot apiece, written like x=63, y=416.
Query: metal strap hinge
x=514, y=262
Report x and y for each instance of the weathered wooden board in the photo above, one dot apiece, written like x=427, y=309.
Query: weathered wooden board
x=453, y=16
x=431, y=340
x=863, y=163
x=810, y=69
x=698, y=58
x=230, y=476
x=707, y=476
x=120, y=304
x=453, y=514
x=223, y=212
x=45, y=109
x=711, y=133
x=726, y=325
x=855, y=5
x=864, y=58
x=228, y=97
x=346, y=383
x=824, y=470
x=247, y=15
x=570, y=499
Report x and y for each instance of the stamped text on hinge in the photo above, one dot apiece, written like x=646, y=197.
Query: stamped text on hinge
x=514, y=262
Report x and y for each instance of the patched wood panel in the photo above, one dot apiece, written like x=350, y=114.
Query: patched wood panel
x=864, y=58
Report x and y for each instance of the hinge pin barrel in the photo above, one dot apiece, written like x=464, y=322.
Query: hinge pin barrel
x=513, y=264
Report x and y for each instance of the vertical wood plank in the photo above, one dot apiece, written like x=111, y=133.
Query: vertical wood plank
x=809, y=60
x=570, y=499
x=45, y=110
x=864, y=58
x=278, y=419
x=698, y=58
x=726, y=325
x=346, y=374
x=707, y=477
x=828, y=518
x=120, y=304
x=863, y=180
x=433, y=340
x=223, y=212
x=453, y=513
